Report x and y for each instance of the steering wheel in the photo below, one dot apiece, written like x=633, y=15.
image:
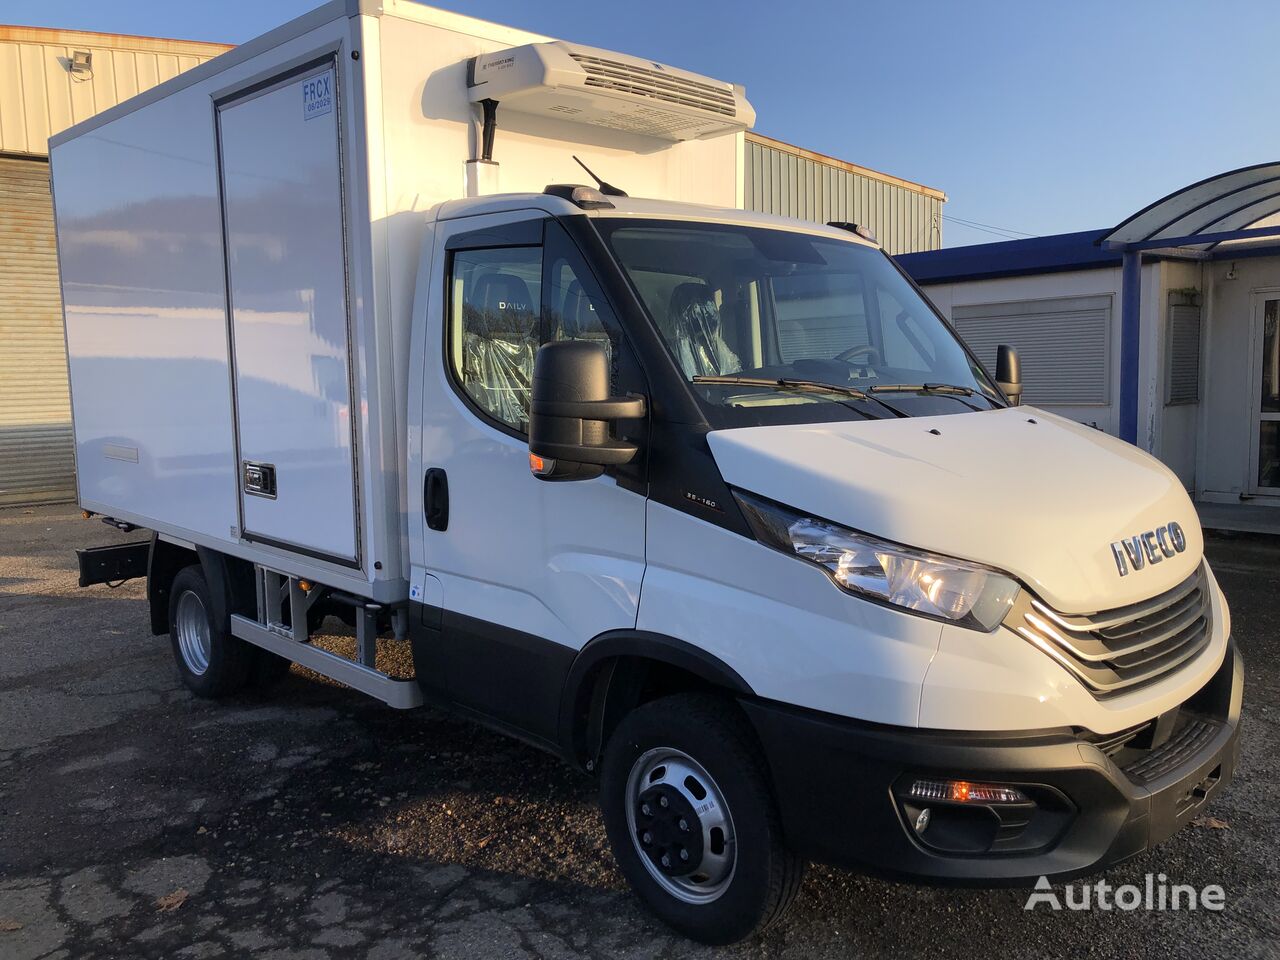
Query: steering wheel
x=866, y=350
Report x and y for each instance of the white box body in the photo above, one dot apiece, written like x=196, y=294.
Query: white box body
x=239, y=249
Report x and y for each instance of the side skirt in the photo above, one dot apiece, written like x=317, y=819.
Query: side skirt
x=511, y=679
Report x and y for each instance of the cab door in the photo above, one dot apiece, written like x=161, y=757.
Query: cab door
x=516, y=574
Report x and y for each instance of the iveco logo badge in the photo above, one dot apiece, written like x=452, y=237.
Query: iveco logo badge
x=1153, y=546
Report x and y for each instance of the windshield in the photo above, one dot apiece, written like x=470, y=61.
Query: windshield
x=762, y=307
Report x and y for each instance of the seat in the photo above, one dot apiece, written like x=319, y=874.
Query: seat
x=697, y=341
x=500, y=338
x=502, y=297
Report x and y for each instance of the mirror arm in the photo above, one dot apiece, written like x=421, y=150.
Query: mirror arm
x=630, y=407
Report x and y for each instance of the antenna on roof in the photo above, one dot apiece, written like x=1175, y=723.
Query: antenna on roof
x=608, y=189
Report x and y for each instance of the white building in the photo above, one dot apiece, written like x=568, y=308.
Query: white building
x=1163, y=331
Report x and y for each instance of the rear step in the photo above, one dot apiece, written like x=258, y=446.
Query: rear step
x=114, y=563
x=291, y=641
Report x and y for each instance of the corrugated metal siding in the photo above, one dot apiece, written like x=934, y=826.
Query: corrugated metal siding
x=1063, y=343
x=39, y=96
x=36, y=451
x=778, y=182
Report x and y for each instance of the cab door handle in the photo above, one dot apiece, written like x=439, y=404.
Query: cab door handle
x=435, y=499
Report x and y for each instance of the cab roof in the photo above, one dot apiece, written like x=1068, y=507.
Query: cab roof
x=638, y=208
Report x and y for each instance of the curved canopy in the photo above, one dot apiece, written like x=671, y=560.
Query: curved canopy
x=1222, y=204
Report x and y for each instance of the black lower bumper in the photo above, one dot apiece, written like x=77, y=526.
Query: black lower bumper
x=844, y=790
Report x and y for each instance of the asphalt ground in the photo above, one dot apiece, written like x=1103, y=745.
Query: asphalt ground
x=312, y=822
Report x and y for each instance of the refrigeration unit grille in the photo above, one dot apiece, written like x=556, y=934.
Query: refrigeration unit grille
x=618, y=77
x=1118, y=650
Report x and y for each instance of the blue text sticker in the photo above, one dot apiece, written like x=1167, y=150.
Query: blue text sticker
x=317, y=96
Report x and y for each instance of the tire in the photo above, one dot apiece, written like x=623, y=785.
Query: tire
x=670, y=750
x=211, y=663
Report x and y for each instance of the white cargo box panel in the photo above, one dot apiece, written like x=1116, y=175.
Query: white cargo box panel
x=214, y=245
x=239, y=249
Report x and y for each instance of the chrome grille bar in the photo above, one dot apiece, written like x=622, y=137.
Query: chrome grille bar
x=1120, y=649
x=1129, y=613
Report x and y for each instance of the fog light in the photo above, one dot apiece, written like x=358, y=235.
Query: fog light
x=962, y=791
x=922, y=820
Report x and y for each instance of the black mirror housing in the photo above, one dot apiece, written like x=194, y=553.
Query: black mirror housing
x=1009, y=373
x=571, y=410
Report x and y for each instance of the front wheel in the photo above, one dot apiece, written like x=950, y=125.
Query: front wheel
x=692, y=820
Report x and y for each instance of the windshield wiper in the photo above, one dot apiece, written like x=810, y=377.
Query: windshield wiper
x=937, y=389
x=922, y=388
x=793, y=383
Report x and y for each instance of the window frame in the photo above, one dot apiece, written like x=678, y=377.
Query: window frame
x=485, y=240
x=515, y=235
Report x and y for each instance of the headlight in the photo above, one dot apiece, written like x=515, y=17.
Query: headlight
x=924, y=583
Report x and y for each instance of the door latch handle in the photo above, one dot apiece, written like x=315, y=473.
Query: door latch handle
x=435, y=499
x=260, y=479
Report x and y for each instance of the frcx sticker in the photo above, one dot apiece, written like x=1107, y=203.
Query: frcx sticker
x=317, y=96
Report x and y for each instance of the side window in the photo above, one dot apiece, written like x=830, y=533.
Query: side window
x=505, y=302
x=494, y=328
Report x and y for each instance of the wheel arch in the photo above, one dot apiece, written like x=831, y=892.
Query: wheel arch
x=231, y=586
x=230, y=582
x=164, y=560
x=617, y=671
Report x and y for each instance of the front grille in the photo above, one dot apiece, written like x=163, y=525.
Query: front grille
x=655, y=85
x=1118, y=650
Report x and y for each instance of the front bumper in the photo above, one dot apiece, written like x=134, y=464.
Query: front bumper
x=841, y=789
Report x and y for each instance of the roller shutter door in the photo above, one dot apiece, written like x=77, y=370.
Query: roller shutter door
x=36, y=451
x=1063, y=343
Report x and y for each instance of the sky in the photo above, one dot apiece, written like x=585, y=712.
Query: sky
x=1035, y=117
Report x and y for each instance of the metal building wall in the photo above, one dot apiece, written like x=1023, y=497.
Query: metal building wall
x=791, y=182
x=39, y=96
x=36, y=452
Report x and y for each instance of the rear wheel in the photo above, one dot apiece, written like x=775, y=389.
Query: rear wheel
x=692, y=820
x=211, y=662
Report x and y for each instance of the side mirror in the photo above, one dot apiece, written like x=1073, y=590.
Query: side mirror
x=1009, y=373
x=571, y=411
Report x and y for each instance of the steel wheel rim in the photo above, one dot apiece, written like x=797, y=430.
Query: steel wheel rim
x=193, y=633
x=710, y=876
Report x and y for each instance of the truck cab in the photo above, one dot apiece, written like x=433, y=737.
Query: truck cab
x=676, y=456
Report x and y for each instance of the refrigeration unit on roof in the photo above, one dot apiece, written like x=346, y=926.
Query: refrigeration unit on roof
x=607, y=89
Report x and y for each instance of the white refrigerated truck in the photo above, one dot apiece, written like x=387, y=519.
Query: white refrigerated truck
x=713, y=505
